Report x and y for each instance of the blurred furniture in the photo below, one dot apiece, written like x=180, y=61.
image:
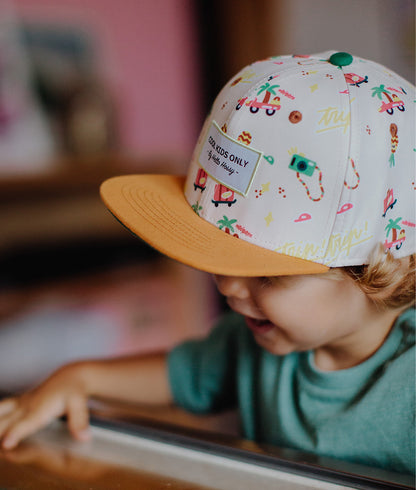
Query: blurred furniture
x=75, y=283
x=63, y=204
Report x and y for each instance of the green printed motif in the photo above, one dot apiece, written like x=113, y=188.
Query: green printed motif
x=226, y=223
x=196, y=207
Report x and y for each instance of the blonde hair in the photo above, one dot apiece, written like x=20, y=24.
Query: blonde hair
x=388, y=282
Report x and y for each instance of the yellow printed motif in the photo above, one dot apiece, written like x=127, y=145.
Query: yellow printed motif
x=332, y=118
x=329, y=250
x=269, y=218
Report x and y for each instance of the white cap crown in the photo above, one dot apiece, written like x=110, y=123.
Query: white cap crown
x=311, y=157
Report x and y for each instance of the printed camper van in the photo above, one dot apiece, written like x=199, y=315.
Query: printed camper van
x=201, y=180
x=223, y=195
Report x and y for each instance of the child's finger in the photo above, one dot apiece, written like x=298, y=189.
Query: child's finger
x=78, y=417
x=21, y=429
x=7, y=405
x=7, y=421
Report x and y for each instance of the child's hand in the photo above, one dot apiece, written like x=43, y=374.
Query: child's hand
x=134, y=379
x=62, y=393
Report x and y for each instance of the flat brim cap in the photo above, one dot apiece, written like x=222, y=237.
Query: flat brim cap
x=304, y=163
x=153, y=207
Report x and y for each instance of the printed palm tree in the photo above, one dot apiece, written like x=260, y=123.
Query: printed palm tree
x=393, y=226
x=196, y=207
x=227, y=224
x=378, y=91
x=269, y=89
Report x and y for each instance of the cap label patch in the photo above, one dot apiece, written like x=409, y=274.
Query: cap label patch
x=229, y=161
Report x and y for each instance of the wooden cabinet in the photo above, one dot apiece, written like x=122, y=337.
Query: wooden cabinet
x=63, y=204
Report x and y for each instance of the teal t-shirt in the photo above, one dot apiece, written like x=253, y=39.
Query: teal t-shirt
x=365, y=414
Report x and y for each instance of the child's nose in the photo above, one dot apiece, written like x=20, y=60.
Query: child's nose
x=231, y=286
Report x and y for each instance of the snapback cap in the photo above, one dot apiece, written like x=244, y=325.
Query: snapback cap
x=304, y=163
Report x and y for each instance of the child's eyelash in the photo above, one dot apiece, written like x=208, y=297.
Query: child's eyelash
x=266, y=281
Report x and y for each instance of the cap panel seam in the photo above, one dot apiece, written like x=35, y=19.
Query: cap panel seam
x=342, y=169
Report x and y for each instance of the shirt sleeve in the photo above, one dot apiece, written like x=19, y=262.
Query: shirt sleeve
x=202, y=373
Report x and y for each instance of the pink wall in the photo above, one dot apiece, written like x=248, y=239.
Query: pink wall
x=148, y=53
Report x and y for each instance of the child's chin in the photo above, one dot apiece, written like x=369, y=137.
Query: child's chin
x=273, y=346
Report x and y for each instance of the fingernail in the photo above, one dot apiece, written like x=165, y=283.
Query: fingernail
x=8, y=443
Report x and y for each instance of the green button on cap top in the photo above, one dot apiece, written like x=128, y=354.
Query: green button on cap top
x=340, y=59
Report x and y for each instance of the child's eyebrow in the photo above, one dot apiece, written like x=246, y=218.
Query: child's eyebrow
x=267, y=280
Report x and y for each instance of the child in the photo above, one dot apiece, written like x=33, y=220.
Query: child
x=293, y=203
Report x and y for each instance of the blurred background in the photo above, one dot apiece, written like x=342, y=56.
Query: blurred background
x=95, y=88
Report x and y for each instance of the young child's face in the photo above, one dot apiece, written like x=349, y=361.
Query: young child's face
x=299, y=313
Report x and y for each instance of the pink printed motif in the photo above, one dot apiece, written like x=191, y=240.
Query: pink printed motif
x=303, y=217
x=357, y=176
x=345, y=207
x=286, y=94
x=244, y=231
x=395, y=234
x=201, y=180
x=392, y=99
x=355, y=80
x=389, y=201
x=270, y=106
x=223, y=195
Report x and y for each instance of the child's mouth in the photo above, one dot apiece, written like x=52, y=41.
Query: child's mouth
x=258, y=326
